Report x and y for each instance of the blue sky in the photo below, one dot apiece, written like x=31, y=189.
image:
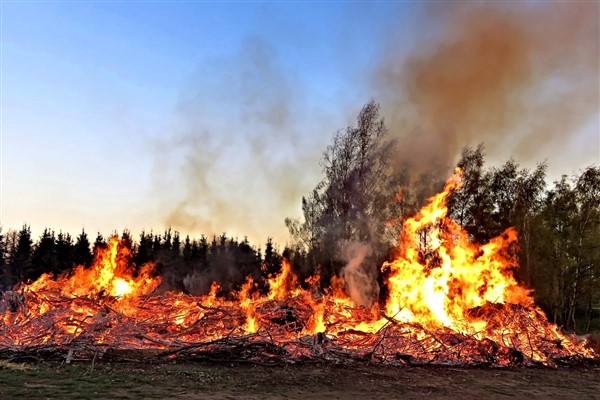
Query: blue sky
x=100, y=101
x=90, y=87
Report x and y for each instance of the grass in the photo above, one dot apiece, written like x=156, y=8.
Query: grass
x=79, y=382
x=219, y=381
x=14, y=366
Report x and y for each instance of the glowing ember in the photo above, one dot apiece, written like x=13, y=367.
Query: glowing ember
x=449, y=301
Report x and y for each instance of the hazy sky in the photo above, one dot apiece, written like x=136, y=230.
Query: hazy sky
x=210, y=117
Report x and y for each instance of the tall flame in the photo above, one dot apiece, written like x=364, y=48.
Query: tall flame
x=440, y=275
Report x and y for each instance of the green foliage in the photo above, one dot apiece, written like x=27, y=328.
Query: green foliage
x=559, y=231
x=568, y=250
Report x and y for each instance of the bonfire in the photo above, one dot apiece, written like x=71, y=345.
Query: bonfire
x=449, y=302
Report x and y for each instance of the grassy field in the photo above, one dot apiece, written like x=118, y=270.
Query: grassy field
x=218, y=381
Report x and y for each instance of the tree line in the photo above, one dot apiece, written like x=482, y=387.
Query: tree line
x=189, y=265
x=364, y=196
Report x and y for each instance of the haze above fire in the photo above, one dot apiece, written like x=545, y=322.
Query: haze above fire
x=212, y=118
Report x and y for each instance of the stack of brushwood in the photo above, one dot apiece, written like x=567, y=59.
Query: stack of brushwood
x=47, y=325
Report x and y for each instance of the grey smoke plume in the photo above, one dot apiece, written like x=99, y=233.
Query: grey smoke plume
x=239, y=162
x=522, y=78
x=360, y=274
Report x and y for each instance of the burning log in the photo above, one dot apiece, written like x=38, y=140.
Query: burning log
x=467, y=309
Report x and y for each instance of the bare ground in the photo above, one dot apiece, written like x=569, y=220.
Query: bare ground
x=48, y=380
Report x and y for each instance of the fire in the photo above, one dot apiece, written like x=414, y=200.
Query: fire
x=450, y=301
x=284, y=284
x=109, y=274
x=120, y=288
x=247, y=306
x=440, y=275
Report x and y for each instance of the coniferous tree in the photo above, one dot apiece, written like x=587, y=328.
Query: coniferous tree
x=166, y=243
x=82, y=254
x=156, y=247
x=144, y=253
x=44, y=256
x=203, y=250
x=247, y=259
x=272, y=261
x=195, y=252
x=187, y=251
x=64, y=253
x=125, y=249
x=10, y=276
x=2, y=248
x=214, y=247
x=21, y=259
x=99, y=244
x=222, y=244
x=199, y=254
x=176, y=246
x=5, y=272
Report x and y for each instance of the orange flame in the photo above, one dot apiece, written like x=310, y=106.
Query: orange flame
x=109, y=275
x=440, y=275
x=284, y=284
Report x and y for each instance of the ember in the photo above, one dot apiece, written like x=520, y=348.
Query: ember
x=450, y=302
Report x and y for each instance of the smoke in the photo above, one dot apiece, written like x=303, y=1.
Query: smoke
x=222, y=270
x=360, y=274
x=239, y=161
x=522, y=78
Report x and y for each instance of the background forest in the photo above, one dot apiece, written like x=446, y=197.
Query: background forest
x=350, y=225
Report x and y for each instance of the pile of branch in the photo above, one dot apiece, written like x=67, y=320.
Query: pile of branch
x=50, y=326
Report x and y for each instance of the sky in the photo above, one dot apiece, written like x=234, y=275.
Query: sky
x=208, y=117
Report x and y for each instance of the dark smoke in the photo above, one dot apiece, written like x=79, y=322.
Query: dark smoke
x=522, y=78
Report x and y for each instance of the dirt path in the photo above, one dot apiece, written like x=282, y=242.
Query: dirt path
x=209, y=381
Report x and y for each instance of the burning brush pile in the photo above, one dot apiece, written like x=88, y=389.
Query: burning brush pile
x=449, y=302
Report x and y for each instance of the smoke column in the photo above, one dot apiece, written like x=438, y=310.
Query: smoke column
x=522, y=78
x=360, y=274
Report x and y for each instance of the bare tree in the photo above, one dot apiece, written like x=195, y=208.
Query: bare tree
x=355, y=199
